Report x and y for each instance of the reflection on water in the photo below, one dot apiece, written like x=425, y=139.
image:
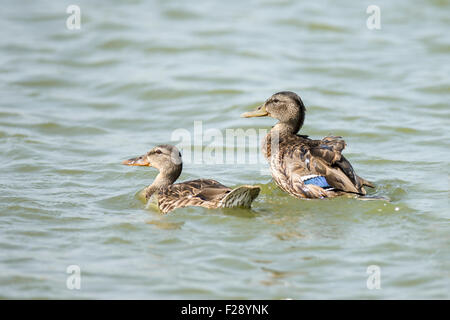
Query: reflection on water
x=74, y=104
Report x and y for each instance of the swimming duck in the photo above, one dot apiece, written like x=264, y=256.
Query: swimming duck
x=300, y=166
x=205, y=193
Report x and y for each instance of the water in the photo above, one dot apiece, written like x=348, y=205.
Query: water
x=74, y=104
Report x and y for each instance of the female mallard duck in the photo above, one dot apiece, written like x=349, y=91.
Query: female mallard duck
x=303, y=167
x=203, y=192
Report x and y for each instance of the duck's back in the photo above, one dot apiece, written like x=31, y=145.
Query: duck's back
x=309, y=168
x=202, y=192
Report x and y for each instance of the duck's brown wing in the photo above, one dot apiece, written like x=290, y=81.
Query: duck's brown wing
x=202, y=192
x=323, y=157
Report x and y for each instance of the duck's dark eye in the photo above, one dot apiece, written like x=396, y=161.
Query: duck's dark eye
x=158, y=151
x=275, y=100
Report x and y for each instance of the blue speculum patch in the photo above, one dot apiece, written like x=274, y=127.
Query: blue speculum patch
x=318, y=181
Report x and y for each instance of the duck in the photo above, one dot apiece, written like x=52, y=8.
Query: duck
x=303, y=167
x=206, y=193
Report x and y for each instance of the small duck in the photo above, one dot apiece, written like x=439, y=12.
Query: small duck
x=205, y=193
x=300, y=166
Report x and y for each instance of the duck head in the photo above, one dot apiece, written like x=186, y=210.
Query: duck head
x=286, y=107
x=165, y=158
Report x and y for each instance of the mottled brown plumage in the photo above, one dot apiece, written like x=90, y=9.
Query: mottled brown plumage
x=296, y=160
x=205, y=193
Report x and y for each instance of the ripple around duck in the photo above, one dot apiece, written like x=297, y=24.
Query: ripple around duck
x=166, y=225
x=45, y=82
x=313, y=26
x=116, y=241
x=116, y=44
x=180, y=14
x=50, y=128
x=436, y=89
x=99, y=63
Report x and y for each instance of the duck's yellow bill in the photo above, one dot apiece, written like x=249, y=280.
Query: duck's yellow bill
x=259, y=112
x=138, y=161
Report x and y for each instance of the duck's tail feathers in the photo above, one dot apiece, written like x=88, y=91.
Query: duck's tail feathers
x=242, y=196
x=364, y=182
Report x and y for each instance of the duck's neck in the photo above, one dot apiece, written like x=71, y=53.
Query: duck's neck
x=282, y=128
x=291, y=127
x=163, y=179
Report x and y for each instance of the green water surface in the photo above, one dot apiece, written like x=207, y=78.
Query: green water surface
x=75, y=103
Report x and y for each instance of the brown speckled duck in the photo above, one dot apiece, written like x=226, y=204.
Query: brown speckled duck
x=300, y=166
x=205, y=193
